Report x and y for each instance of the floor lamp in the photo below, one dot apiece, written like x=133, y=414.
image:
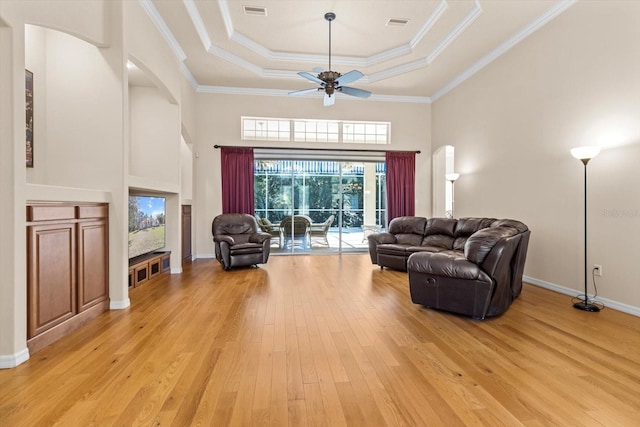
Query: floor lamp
x=452, y=177
x=585, y=154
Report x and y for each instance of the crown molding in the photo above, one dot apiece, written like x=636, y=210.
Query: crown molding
x=198, y=23
x=457, y=31
x=187, y=74
x=259, y=49
x=534, y=26
x=157, y=20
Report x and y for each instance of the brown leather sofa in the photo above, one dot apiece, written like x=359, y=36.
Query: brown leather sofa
x=238, y=242
x=469, y=266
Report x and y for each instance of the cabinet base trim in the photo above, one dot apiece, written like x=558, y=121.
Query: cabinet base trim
x=13, y=360
x=50, y=336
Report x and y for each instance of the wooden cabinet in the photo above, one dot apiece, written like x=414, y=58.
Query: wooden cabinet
x=67, y=268
x=93, y=256
x=52, y=279
x=186, y=232
x=146, y=267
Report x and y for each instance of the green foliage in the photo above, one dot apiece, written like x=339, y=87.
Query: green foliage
x=315, y=195
x=133, y=210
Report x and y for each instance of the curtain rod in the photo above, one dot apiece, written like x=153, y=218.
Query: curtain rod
x=360, y=150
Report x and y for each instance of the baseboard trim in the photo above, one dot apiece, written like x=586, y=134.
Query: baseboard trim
x=119, y=305
x=176, y=270
x=615, y=305
x=204, y=256
x=12, y=360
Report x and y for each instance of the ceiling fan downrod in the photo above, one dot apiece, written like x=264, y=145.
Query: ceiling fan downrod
x=329, y=16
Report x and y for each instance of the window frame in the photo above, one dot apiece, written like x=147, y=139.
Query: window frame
x=307, y=130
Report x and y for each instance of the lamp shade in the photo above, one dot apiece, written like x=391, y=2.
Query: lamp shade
x=452, y=176
x=585, y=153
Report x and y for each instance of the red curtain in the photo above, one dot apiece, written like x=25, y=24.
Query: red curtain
x=237, y=180
x=401, y=185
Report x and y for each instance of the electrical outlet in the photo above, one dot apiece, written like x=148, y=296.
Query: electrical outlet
x=597, y=270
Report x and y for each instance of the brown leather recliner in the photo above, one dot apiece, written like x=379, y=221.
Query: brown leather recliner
x=238, y=241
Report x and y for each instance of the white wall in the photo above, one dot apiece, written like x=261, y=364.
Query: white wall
x=218, y=122
x=82, y=137
x=155, y=136
x=574, y=82
x=150, y=51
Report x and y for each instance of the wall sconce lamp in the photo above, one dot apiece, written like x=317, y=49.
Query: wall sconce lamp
x=585, y=154
x=452, y=177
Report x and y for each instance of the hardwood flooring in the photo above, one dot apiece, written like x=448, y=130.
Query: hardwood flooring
x=327, y=341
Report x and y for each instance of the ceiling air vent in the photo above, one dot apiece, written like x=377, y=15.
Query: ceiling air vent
x=255, y=10
x=397, y=22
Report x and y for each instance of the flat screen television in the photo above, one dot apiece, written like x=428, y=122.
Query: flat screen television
x=146, y=224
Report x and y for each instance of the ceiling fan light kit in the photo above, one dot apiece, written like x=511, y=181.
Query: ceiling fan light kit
x=332, y=81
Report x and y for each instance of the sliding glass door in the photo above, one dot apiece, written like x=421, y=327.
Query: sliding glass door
x=342, y=202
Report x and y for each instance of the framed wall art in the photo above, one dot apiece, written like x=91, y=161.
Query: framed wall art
x=29, y=116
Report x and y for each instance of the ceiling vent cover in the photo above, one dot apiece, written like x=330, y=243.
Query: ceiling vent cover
x=397, y=22
x=255, y=10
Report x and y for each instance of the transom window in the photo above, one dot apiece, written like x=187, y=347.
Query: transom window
x=255, y=128
x=308, y=130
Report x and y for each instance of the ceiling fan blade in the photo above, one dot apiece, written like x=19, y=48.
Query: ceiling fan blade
x=354, y=92
x=329, y=100
x=349, y=77
x=305, y=91
x=311, y=77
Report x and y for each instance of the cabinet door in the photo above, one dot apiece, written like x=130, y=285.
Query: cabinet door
x=51, y=288
x=186, y=232
x=93, y=263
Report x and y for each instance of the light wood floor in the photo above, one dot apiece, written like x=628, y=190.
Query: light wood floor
x=327, y=340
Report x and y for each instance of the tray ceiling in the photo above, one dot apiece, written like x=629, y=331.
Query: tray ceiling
x=224, y=49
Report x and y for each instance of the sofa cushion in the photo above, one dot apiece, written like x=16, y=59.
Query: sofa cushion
x=438, y=240
x=465, y=227
x=444, y=226
x=246, y=248
x=412, y=249
x=480, y=243
x=510, y=223
x=392, y=249
x=409, y=239
x=407, y=225
x=451, y=264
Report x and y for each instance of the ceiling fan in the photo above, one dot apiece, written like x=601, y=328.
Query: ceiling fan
x=332, y=81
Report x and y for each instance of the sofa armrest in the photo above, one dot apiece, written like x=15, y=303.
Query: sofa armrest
x=259, y=237
x=376, y=239
x=382, y=238
x=446, y=265
x=497, y=265
x=219, y=238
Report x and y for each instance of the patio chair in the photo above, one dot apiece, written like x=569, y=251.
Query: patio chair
x=320, y=230
x=273, y=229
x=299, y=232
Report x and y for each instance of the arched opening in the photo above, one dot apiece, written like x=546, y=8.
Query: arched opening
x=443, y=167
